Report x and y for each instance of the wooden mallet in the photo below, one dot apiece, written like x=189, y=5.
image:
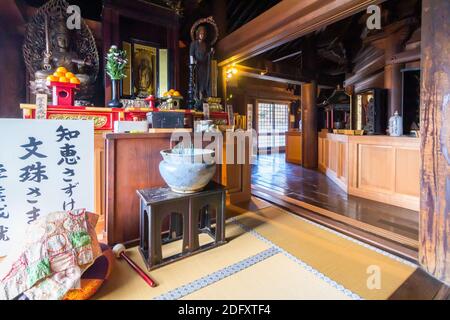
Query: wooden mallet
x=119, y=252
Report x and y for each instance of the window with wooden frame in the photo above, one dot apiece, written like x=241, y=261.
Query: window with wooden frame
x=272, y=124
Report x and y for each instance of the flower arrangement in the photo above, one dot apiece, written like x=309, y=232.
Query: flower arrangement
x=116, y=62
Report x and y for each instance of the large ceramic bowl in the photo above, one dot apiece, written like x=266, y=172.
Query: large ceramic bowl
x=187, y=170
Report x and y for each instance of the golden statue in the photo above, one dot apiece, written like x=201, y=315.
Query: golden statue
x=45, y=49
x=61, y=56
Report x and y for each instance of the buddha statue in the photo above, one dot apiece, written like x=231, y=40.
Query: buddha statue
x=60, y=55
x=201, y=52
x=204, y=34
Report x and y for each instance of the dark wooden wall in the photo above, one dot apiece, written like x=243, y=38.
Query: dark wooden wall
x=12, y=73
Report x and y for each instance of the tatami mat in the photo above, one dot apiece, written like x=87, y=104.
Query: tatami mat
x=343, y=260
x=274, y=278
x=270, y=254
x=126, y=284
x=309, y=262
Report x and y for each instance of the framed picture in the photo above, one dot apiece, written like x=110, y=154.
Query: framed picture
x=144, y=68
x=127, y=83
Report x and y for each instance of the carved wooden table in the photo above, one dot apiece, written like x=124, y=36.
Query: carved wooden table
x=190, y=215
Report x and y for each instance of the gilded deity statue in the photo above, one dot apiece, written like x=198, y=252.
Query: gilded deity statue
x=49, y=44
x=62, y=56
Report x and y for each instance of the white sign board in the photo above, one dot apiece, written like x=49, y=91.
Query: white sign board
x=45, y=166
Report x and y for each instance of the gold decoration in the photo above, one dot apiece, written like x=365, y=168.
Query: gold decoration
x=99, y=121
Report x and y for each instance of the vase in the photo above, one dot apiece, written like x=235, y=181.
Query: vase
x=395, y=125
x=115, y=102
x=188, y=170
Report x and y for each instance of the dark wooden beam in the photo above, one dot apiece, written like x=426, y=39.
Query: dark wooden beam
x=270, y=77
x=294, y=54
x=406, y=56
x=434, y=233
x=372, y=66
x=242, y=16
x=286, y=21
x=420, y=286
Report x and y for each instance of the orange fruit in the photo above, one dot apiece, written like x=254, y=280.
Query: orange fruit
x=52, y=78
x=74, y=80
x=61, y=70
x=70, y=75
x=58, y=74
x=176, y=94
x=63, y=79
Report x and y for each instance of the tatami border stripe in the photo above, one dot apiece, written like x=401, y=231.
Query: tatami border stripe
x=301, y=263
x=218, y=275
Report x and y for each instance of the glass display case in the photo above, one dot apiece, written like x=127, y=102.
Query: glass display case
x=411, y=101
x=338, y=110
x=370, y=113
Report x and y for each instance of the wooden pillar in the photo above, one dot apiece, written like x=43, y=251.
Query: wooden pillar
x=393, y=75
x=434, y=247
x=309, y=124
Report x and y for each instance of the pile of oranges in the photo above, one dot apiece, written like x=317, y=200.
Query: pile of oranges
x=171, y=93
x=64, y=76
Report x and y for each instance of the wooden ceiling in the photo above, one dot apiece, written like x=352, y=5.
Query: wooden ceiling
x=240, y=12
x=90, y=9
x=331, y=50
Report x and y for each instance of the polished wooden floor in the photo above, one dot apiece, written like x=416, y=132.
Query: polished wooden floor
x=312, y=190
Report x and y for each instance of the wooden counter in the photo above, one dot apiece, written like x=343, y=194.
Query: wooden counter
x=294, y=146
x=379, y=168
x=132, y=163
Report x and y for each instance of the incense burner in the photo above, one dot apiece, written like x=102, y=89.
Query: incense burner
x=187, y=170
